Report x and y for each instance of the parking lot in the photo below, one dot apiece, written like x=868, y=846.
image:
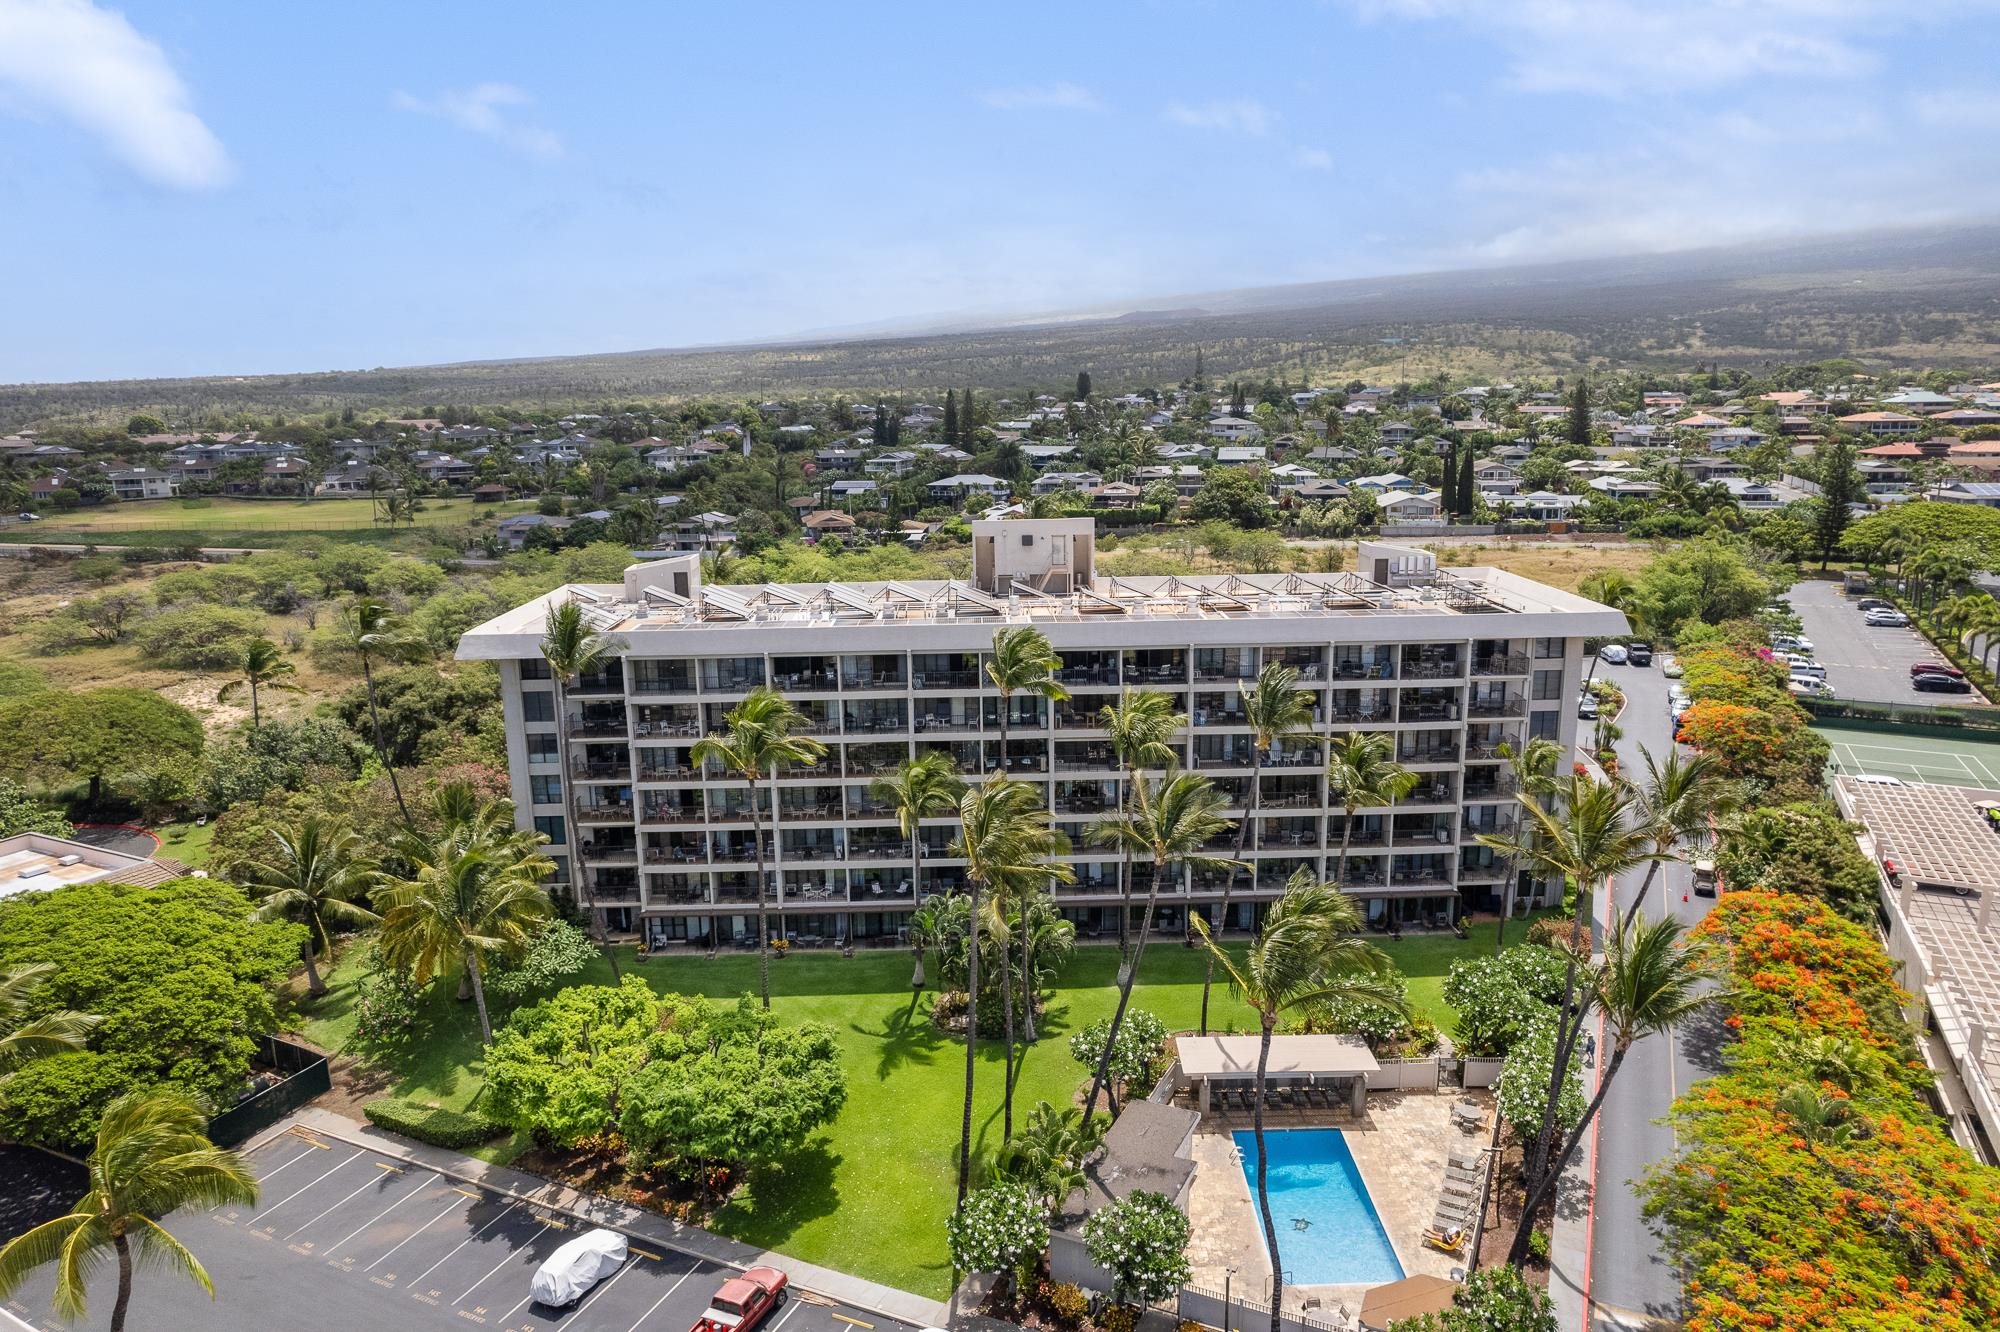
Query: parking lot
x=347, y=1238
x=1871, y=665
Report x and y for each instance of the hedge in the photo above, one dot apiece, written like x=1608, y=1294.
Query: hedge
x=428, y=1123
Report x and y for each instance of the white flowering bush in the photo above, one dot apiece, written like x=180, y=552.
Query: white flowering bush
x=1523, y=1088
x=1141, y=1240
x=1142, y=1040
x=1001, y=1228
x=1497, y=996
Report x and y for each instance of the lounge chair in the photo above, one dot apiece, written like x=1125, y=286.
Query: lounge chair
x=1466, y=1160
x=1445, y=1239
x=1445, y=1218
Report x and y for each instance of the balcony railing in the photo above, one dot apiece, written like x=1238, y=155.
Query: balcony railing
x=805, y=681
x=1088, y=675
x=1509, y=665
x=880, y=851
x=1501, y=828
x=604, y=814
x=1439, y=754
x=1087, y=763
x=675, y=814
x=1489, y=790
x=611, y=728
x=1357, y=716
x=1495, y=707
x=666, y=773
x=602, y=772
x=872, y=680
x=946, y=722
x=1432, y=670
x=662, y=684
x=947, y=679
x=676, y=855
x=611, y=855
x=1425, y=837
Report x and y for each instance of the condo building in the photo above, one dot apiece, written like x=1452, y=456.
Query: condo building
x=1459, y=666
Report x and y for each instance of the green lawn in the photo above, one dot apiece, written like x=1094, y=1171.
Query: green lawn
x=220, y=514
x=872, y=1198
x=186, y=842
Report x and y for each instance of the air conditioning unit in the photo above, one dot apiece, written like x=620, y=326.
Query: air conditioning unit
x=71, y=859
x=33, y=872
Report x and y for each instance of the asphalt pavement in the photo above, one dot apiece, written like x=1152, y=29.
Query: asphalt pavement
x=1862, y=663
x=344, y=1237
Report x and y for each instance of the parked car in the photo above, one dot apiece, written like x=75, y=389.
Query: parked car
x=1639, y=654
x=1886, y=619
x=744, y=1301
x=1612, y=654
x=1790, y=643
x=1704, y=879
x=1670, y=666
x=1875, y=603
x=1935, y=668
x=1808, y=684
x=1940, y=684
x=27, y=517
x=574, y=1268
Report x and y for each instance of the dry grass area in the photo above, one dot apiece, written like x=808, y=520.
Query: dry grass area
x=1558, y=566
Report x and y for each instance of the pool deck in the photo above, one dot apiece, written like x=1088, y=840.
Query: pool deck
x=1400, y=1146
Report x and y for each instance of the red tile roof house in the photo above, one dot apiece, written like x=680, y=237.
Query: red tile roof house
x=1885, y=424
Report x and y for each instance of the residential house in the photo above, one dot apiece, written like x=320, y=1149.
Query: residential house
x=513, y=530
x=1539, y=506
x=1048, y=483
x=1043, y=456
x=897, y=462
x=1702, y=421
x=1710, y=469
x=1733, y=437
x=824, y=522
x=1751, y=494
x=1623, y=487
x=1186, y=478
x=1383, y=481
x=1318, y=490
x=1883, y=425
x=1235, y=429
x=1183, y=452
x=853, y=488
x=968, y=485
x=1404, y=506
x=839, y=458
x=1494, y=477
x=1396, y=432
x=1240, y=455
x=284, y=476
x=1796, y=402
x=1919, y=400
x=1115, y=495
x=1983, y=493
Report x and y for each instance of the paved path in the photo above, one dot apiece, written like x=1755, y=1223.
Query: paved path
x=1871, y=665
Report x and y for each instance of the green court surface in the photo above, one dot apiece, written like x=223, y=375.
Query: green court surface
x=1914, y=758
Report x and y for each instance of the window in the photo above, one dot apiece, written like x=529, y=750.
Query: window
x=538, y=705
x=546, y=790
x=1549, y=649
x=1543, y=725
x=551, y=827
x=1548, y=686
x=542, y=747
x=535, y=668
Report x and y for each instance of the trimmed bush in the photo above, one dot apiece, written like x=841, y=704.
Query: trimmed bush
x=428, y=1123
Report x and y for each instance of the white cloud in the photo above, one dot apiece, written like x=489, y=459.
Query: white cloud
x=1237, y=117
x=1314, y=159
x=1042, y=97
x=91, y=67
x=1958, y=108
x=482, y=110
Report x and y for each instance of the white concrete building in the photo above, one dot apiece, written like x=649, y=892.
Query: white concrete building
x=1452, y=664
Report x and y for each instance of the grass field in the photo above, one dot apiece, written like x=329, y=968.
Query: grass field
x=1558, y=566
x=204, y=516
x=873, y=1196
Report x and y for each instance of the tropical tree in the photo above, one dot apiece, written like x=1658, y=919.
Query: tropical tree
x=1678, y=802
x=263, y=667
x=573, y=650
x=1306, y=954
x=1170, y=821
x=1049, y=1152
x=1362, y=773
x=24, y=1038
x=1142, y=728
x=1595, y=836
x=1022, y=662
x=1534, y=767
x=757, y=741
x=1004, y=833
x=467, y=900
x=372, y=632
x=924, y=787
x=316, y=871
x=152, y=1158
x=1650, y=982
x=928, y=930
x=1275, y=709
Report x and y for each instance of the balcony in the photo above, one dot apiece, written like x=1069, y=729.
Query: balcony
x=1438, y=836
x=1363, y=669
x=1500, y=666
x=1427, y=710
x=682, y=897
x=1495, y=828
x=675, y=814
x=1297, y=758
x=1103, y=761
x=645, y=683
x=947, y=679
x=872, y=680
x=880, y=851
x=824, y=809
x=1100, y=673
x=676, y=855
x=1206, y=762
x=741, y=854
x=822, y=771
x=1428, y=754
x=1079, y=721
x=604, y=814
x=806, y=682
x=1365, y=715
x=1297, y=800
x=610, y=855
x=1495, y=707
x=598, y=684
x=1083, y=804
x=601, y=772
x=815, y=851
x=819, y=726
x=1421, y=669
x=875, y=725
x=1496, y=788
x=666, y=772
x=614, y=895
x=600, y=728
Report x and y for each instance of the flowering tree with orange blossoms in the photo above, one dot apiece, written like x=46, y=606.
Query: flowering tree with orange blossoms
x=1813, y=1187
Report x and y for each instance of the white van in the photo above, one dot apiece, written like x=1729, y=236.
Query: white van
x=1803, y=665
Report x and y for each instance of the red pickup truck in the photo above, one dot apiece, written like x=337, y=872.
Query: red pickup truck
x=744, y=1301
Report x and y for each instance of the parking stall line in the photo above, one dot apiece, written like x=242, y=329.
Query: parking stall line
x=307, y=1150
x=664, y=1298
x=365, y=1186
x=792, y=1307
x=449, y=1209
x=462, y=1243
x=296, y=1192
x=594, y=1291
x=384, y=1212
x=512, y=1254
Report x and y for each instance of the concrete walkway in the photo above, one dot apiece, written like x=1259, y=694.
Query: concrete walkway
x=885, y=1300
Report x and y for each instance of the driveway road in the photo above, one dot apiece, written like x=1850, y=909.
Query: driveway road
x=1870, y=665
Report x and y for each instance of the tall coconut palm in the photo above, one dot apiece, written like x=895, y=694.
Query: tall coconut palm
x=372, y=632
x=1306, y=955
x=1171, y=819
x=1534, y=767
x=261, y=667
x=756, y=742
x=1275, y=709
x=1677, y=802
x=1651, y=981
x=1362, y=773
x=573, y=650
x=1004, y=833
x=24, y=1038
x=922, y=788
x=315, y=872
x=1019, y=914
x=152, y=1157
x=465, y=903
x=1595, y=836
x=1142, y=728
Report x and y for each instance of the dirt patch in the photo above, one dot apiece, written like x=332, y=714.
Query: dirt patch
x=598, y=1167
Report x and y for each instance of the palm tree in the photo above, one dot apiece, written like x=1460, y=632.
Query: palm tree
x=1307, y=954
x=922, y=788
x=1677, y=802
x=371, y=631
x=24, y=1039
x=152, y=1157
x=466, y=900
x=927, y=930
x=1534, y=768
x=573, y=650
x=318, y=870
x=1595, y=837
x=1171, y=819
x=1022, y=662
x=1650, y=982
x=755, y=742
x=1275, y=709
x=1362, y=772
x=263, y=666
x=1141, y=728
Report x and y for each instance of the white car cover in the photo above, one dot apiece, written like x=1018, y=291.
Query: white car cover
x=578, y=1265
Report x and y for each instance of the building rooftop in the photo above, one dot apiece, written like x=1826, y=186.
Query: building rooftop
x=1144, y=1150
x=29, y=861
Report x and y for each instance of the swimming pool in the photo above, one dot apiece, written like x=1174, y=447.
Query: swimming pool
x=1328, y=1232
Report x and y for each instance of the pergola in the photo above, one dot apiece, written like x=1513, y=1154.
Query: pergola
x=1341, y=1062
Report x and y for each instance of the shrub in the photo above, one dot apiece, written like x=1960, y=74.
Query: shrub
x=1523, y=1088
x=201, y=638
x=431, y=1124
x=1000, y=1228
x=1066, y=1301
x=1118, y=1318
x=1141, y=1240
x=1142, y=1043
x=1550, y=933
x=1497, y=994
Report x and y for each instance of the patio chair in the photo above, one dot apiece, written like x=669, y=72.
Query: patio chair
x=1468, y=1115
x=1458, y=1188
x=1445, y=1239
x=1466, y=1160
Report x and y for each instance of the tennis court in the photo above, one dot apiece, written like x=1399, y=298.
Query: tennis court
x=1914, y=758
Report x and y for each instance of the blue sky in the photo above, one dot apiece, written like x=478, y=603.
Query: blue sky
x=196, y=188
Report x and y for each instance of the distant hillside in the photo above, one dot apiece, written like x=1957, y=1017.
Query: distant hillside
x=1900, y=298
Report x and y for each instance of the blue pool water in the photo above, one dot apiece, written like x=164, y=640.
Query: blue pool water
x=1313, y=1179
